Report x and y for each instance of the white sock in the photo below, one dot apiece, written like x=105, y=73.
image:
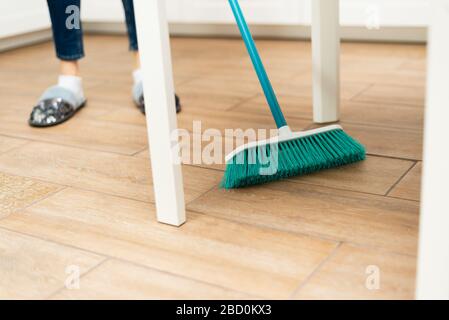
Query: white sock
x=137, y=76
x=74, y=84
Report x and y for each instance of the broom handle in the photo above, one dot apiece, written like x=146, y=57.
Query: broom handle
x=258, y=65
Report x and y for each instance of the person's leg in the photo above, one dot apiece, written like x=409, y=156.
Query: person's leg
x=68, y=40
x=69, y=68
x=59, y=102
x=67, y=33
x=128, y=6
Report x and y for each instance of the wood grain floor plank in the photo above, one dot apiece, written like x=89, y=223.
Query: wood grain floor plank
x=210, y=113
x=226, y=123
x=233, y=67
x=208, y=102
x=7, y=143
x=374, y=175
x=205, y=151
x=257, y=261
x=362, y=273
x=370, y=113
x=202, y=104
x=127, y=115
x=407, y=95
x=384, y=51
x=419, y=65
x=117, y=92
x=410, y=186
x=365, y=219
x=301, y=86
x=115, y=174
x=384, y=65
x=14, y=79
x=18, y=192
x=387, y=142
x=242, y=89
x=124, y=281
x=272, y=236
x=206, y=48
x=83, y=133
x=397, y=77
x=33, y=269
x=20, y=106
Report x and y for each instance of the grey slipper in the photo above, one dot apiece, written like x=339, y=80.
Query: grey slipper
x=140, y=101
x=55, y=106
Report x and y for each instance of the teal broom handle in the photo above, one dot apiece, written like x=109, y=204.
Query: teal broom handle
x=258, y=65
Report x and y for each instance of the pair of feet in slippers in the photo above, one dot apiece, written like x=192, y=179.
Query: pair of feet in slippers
x=58, y=104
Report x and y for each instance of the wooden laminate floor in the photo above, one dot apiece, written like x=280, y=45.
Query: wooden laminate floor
x=77, y=198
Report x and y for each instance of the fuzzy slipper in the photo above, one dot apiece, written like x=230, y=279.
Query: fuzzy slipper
x=55, y=106
x=140, y=102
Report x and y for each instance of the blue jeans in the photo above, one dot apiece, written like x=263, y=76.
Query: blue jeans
x=68, y=33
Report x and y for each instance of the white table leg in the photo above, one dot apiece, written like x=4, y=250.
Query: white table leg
x=433, y=257
x=326, y=60
x=154, y=47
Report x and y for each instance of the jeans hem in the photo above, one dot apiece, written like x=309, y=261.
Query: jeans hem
x=70, y=57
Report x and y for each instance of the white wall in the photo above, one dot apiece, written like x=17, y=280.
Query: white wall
x=390, y=13
x=20, y=16
x=203, y=11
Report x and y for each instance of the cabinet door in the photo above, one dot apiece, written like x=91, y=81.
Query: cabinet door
x=256, y=11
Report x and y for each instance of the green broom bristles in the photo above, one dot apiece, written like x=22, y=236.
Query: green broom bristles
x=285, y=159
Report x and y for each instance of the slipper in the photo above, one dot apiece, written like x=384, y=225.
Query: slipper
x=140, y=101
x=55, y=106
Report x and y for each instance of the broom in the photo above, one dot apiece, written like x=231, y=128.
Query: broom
x=290, y=153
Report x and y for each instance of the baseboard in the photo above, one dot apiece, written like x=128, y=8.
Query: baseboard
x=385, y=34
x=352, y=33
x=104, y=27
x=26, y=39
